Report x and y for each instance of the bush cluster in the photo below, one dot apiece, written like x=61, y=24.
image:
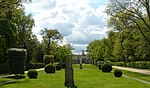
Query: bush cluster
x=106, y=68
x=34, y=66
x=32, y=73
x=49, y=68
x=137, y=64
x=117, y=73
x=48, y=59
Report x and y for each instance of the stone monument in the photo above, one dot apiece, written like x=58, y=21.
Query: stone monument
x=69, y=76
x=81, y=63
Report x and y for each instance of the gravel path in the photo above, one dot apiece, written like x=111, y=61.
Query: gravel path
x=6, y=75
x=142, y=71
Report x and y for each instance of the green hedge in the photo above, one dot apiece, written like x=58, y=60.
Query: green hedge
x=34, y=66
x=16, y=60
x=138, y=64
x=48, y=59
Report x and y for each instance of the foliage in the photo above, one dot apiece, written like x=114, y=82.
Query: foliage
x=106, y=68
x=4, y=68
x=32, y=73
x=117, y=73
x=34, y=66
x=48, y=59
x=128, y=38
x=40, y=53
x=16, y=29
x=49, y=68
x=137, y=64
x=63, y=51
x=50, y=36
x=16, y=60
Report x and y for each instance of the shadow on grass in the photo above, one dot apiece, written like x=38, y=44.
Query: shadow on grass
x=13, y=79
x=74, y=86
x=16, y=77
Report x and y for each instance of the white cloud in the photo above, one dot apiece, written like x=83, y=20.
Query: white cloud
x=78, y=21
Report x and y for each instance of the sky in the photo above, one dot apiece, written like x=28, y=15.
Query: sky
x=79, y=21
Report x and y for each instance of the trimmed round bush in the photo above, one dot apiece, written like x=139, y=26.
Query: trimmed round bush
x=48, y=59
x=32, y=73
x=106, y=68
x=50, y=68
x=117, y=73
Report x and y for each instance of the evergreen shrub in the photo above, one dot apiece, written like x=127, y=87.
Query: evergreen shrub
x=106, y=68
x=117, y=73
x=50, y=68
x=32, y=73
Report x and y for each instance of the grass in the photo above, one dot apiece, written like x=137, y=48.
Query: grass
x=88, y=77
x=137, y=75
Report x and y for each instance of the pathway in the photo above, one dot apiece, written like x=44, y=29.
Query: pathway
x=142, y=71
x=6, y=75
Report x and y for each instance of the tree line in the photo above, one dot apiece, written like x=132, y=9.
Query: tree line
x=16, y=32
x=129, y=35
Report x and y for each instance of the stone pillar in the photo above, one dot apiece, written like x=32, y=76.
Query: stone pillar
x=81, y=63
x=69, y=76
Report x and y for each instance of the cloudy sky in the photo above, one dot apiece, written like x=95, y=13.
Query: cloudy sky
x=79, y=21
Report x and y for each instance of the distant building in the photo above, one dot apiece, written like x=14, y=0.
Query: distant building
x=76, y=59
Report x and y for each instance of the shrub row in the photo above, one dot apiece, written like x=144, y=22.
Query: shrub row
x=49, y=68
x=34, y=66
x=138, y=64
x=108, y=68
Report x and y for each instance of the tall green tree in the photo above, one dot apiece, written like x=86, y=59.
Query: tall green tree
x=15, y=27
x=135, y=12
x=50, y=36
x=63, y=51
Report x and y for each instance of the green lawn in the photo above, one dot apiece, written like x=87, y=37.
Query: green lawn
x=137, y=75
x=88, y=77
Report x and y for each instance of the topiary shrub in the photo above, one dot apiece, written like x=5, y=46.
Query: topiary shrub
x=16, y=60
x=106, y=68
x=32, y=73
x=48, y=59
x=49, y=68
x=117, y=73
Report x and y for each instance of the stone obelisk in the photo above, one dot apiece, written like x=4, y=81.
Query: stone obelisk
x=69, y=76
